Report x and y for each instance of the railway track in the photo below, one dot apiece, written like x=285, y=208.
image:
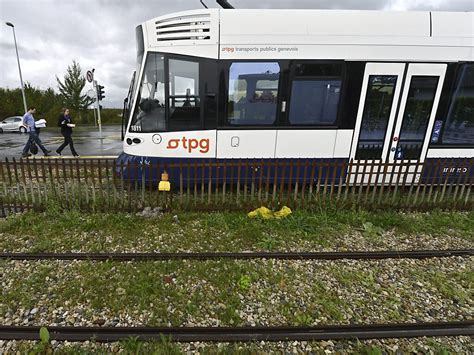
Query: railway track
x=358, y=255
x=243, y=334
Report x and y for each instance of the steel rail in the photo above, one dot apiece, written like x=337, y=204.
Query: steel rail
x=233, y=334
x=355, y=255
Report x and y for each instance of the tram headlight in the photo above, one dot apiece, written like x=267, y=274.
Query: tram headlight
x=131, y=141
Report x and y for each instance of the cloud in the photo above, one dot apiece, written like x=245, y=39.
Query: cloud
x=100, y=34
x=439, y=5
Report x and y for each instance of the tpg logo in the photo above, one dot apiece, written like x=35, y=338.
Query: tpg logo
x=189, y=144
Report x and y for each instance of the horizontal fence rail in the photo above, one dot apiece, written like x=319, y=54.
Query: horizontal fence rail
x=112, y=185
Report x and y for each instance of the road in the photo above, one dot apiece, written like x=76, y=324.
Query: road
x=86, y=142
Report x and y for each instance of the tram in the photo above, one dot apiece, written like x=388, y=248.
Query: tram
x=325, y=85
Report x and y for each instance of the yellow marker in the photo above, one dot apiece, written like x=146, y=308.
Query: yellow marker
x=164, y=184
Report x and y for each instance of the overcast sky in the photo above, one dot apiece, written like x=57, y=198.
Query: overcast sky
x=100, y=34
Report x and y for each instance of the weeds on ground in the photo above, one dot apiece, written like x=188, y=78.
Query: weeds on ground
x=74, y=231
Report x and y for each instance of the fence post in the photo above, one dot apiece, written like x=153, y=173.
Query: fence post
x=260, y=181
x=109, y=190
x=342, y=176
x=239, y=171
x=417, y=182
x=231, y=180
x=158, y=178
x=318, y=185
x=276, y=165
x=252, y=186
x=303, y=186
x=311, y=180
x=435, y=169
x=282, y=182
x=195, y=183
x=209, y=182
x=446, y=180
x=224, y=179
x=143, y=184
x=454, y=181
x=100, y=185
x=217, y=186
x=56, y=198
x=79, y=187
x=348, y=179
x=470, y=163
x=385, y=167
x=86, y=185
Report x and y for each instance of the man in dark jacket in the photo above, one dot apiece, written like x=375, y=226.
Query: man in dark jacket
x=65, y=122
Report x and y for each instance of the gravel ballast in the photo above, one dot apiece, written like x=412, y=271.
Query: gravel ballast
x=219, y=293
x=158, y=242
x=453, y=345
x=191, y=232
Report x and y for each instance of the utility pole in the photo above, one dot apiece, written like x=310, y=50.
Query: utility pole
x=99, y=121
x=99, y=95
x=95, y=118
x=9, y=24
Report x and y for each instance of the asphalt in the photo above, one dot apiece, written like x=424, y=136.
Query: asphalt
x=86, y=141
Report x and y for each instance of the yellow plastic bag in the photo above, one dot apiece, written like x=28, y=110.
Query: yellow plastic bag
x=265, y=213
x=284, y=212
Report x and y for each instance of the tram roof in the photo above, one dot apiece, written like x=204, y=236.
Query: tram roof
x=274, y=27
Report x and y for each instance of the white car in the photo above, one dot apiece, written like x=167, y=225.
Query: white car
x=12, y=124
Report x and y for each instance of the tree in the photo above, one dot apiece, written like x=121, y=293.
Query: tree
x=71, y=88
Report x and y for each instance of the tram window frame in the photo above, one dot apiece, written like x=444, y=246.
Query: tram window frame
x=208, y=89
x=351, y=90
x=452, y=80
x=354, y=72
x=223, y=99
x=153, y=104
x=294, y=76
x=168, y=97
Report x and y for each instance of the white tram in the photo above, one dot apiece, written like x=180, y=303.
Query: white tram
x=302, y=84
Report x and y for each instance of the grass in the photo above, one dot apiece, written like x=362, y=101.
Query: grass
x=457, y=287
x=230, y=231
x=132, y=346
x=220, y=292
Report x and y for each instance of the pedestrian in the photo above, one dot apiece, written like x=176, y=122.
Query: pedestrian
x=38, y=125
x=29, y=123
x=65, y=122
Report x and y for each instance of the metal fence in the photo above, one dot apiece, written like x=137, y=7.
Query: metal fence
x=109, y=185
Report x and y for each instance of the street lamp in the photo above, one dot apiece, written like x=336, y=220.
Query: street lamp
x=9, y=24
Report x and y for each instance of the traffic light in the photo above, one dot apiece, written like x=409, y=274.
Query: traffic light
x=100, y=92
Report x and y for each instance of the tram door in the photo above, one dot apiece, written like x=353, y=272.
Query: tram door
x=395, y=118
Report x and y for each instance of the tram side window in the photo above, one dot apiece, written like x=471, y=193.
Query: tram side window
x=459, y=125
x=377, y=109
x=253, y=93
x=149, y=115
x=184, y=100
x=315, y=93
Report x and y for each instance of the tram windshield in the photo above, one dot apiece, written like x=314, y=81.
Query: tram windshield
x=149, y=115
x=179, y=85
